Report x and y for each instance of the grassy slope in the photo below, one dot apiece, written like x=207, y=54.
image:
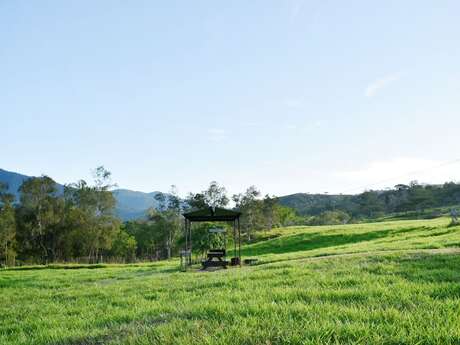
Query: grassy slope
x=299, y=242
x=295, y=296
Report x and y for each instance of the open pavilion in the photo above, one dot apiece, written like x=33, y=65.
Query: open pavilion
x=214, y=214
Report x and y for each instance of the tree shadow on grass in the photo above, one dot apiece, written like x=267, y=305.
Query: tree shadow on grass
x=57, y=267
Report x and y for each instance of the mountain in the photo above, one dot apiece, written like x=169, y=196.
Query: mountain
x=130, y=204
x=134, y=205
x=13, y=181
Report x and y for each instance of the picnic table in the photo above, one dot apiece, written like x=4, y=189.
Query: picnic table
x=216, y=258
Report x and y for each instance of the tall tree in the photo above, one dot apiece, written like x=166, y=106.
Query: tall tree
x=124, y=246
x=248, y=204
x=149, y=242
x=370, y=204
x=167, y=220
x=40, y=216
x=420, y=197
x=7, y=227
x=91, y=214
x=162, y=203
x=216, y=195
x=269, y=210
x=173, y=214
x=196, y=201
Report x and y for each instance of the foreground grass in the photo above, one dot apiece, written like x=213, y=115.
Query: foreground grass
x=379, y=298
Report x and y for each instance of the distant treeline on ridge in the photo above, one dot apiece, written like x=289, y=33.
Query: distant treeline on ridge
x=78, y=223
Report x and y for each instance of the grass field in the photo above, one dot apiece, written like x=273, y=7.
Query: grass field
x=381, y=283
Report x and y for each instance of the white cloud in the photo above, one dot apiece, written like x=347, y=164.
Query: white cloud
x=386, y=173
x=216, y=131
x=379, y=84
x=217, y=134
x=293, y=103
x=252, y=124
x=291, y=126
x=296, y=8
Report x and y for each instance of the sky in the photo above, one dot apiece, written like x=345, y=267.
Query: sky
x=290, y=96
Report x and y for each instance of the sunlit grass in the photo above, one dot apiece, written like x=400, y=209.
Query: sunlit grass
x=298, y=242
x=389, y=292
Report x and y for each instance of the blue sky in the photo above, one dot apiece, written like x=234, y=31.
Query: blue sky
x=290, y=96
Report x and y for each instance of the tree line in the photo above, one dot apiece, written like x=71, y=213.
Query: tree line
x=160, y=235
x=78, y=224
x=413, y=200
x=48, y=226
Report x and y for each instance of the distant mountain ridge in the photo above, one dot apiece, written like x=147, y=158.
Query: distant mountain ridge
x=130, y=204
x=134, y=204
x=13, y=181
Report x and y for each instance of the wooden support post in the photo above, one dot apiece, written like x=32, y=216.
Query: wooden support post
x=185, y=234
x=225, y=242
x=190, y=240
x=239, y=240
x=234, y=238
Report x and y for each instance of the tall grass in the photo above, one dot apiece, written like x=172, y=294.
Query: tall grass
x=305, y=291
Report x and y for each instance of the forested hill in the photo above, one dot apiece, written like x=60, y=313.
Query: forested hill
x=402, y=198
x=313, y=204
x=133, y=204
x=130, y=204
x=13, y=181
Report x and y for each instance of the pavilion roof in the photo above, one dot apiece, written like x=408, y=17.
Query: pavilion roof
x=210, y=214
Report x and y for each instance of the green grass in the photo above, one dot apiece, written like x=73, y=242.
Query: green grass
x=300, y=242
x=381, y=283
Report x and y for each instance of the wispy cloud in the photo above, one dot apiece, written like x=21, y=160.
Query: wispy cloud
x=379, y=84
x=252, y=124
x=306, y=11
x=386, y=173
x=296, y=8
x=291, y=126
x=217, y=134
x=294, y=103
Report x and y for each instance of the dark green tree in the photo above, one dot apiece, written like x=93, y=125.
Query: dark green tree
x=7, y=228
x=216, y=195
x=251, y=208
x=270, y=211
x=124, y=246
x=40, y=217
x=370, y=204
x=90, y=211
x=166, y=220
